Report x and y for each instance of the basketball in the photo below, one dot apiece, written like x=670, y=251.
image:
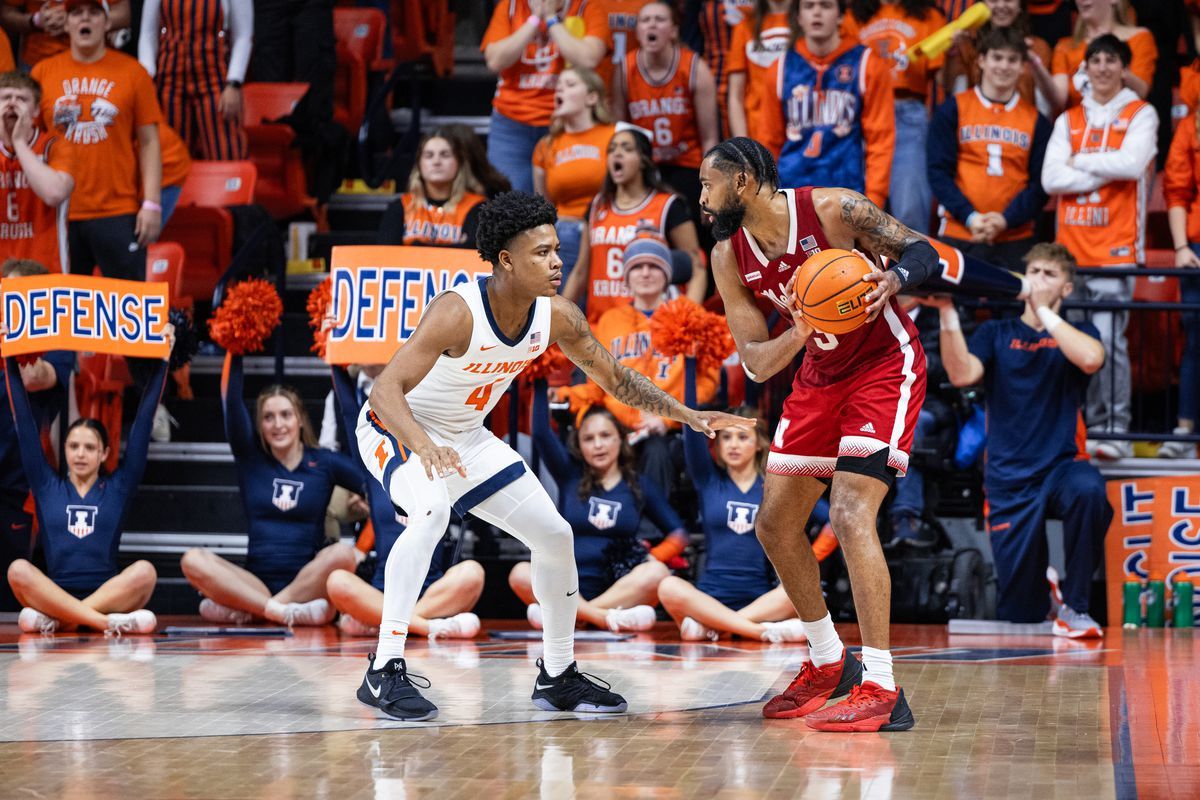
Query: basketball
x=830, y=291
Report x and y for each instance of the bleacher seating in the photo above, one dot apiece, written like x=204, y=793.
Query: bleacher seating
x=360, y=38
x=282, y=184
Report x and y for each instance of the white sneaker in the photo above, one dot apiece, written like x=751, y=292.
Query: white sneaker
x=1178, y=449
x=789, y=630
x=30, y=620
x=692, y=631
x=533, y=613
x=314, y=612
x=140, y=621
x=1076, y=625
x=352, y=626
x=160, y=428
x=213, y=611
x=1110, y=450
x=1056, y=600
x=460, y=626
x=638, y=618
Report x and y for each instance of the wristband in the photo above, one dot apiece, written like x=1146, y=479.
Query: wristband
x=974, y=215
x=950, y=320
x=533, y=21
x=35, y=20
x=1050, y=319
x=150, y=205
x=552, y=21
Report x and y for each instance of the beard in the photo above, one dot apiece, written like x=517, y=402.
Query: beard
x=727, y=220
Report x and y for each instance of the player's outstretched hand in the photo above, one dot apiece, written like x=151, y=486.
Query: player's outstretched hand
x=709, y=422
x=442, y=460
x=886, y=284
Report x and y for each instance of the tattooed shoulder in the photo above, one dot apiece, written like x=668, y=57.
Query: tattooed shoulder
x=878, y=231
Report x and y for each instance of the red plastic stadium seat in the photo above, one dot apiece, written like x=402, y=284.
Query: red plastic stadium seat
x=282, y=185
x=360, y=34
x=164, y=264
x=219, y=184
x=421, y=28
x=98, y=389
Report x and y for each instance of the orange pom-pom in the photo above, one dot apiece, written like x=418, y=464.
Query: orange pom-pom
x=680, y=327
x=551, y=362
x=249, y=314
x=320, y=300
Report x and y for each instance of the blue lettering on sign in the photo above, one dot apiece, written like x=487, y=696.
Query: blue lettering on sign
x=77, y=315
x=1183, y=534
x=1133, y=565
x=387, y=299
x=14, y=313
x=1180, y=507
x=59, y=308
x=153, y=308
x=343, y=286
x=106, y=314
x=1130, y=500
x=37, y=311
x=408, y=302
x=366, y=301
x=131, y=323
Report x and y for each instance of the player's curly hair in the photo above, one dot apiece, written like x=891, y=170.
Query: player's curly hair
x=507, y=215
x=744, y=154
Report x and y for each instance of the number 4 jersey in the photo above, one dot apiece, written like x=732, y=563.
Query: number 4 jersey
x=457, y=394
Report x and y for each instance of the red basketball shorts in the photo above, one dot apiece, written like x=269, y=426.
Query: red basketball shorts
x=874, y=409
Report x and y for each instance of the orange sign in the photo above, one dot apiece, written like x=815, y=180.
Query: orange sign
x=85, y=314
x=1175, y=551
x=1127, y=545
x=380, y=293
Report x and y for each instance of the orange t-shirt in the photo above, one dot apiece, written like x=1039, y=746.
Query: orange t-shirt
x=574, y=164
x=995, y=142
x=619, y=33
x=1182, y=174
x=525, y=90
x=7, y=64
x=1068, y=60
x=32, y=229
x=176, y=163
x=625, y=331
x=98, y=107
x=666, y=107
x=758, y=62
x=1189, y=85
x=891, y=32
x=1105, y=228
x=610, y=228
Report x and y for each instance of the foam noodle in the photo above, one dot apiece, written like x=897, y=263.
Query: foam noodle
x=84, y=313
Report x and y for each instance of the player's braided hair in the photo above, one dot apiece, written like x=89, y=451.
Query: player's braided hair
x=507, y=215
x=742, y=153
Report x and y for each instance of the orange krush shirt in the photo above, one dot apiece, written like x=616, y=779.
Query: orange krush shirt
x=666, y=107
x=891, y=32
x=98, y=108
x=758, y=62
x=525, y=91
x=1067, y=59
x=574, y=164
x=625, y=331
x=30, y=228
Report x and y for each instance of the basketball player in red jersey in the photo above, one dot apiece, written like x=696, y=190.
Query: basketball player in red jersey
x=848, y=422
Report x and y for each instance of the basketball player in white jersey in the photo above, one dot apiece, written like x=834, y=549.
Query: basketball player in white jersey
x=421, y=434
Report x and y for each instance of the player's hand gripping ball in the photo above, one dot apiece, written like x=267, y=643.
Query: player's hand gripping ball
x=830, y=291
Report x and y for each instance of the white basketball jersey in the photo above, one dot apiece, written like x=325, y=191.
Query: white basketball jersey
x=458, y=393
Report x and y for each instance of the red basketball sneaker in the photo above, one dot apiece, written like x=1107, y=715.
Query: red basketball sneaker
x=869, y=707
x=814, y=686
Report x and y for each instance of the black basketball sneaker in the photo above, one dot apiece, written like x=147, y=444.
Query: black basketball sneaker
x=391, y=689
x=575, y=691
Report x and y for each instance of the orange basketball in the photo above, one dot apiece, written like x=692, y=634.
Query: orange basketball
x=830, y=291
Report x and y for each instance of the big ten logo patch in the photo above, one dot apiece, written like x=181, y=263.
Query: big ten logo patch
x=602, y=514
x=740, y=516
x=285, y=494
x=81, y=520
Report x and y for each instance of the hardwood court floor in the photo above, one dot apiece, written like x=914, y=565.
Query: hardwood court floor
x=238, y=717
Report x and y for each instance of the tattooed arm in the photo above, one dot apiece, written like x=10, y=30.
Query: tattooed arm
x=569, y=328
x=847, y=216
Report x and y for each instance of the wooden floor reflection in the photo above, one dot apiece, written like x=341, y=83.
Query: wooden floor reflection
x=85, y=717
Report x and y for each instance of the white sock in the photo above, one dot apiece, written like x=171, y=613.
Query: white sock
x=275, y=611
x=392, y=636
x=877, y=666
x=824, y=644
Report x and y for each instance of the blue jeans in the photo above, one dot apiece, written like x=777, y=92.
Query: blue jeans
x=910, y=196
x=910, y=489
x=1189, y=368
x=570, y=232
x=510, y=149
x=170, y=199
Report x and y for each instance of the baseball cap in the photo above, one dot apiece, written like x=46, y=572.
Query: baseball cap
x=71, y=5
x=647, y=248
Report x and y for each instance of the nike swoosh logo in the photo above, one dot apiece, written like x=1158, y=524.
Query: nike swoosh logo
x=374, y=690
x=571, y=594
x=538, y=685
x=489, y=347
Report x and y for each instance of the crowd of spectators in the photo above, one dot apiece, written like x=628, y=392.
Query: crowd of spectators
x=606, y=107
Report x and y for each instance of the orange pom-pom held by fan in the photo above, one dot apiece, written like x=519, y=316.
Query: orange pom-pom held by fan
x=550, y=363
x=249, y=314
x=680, y=327
x=319, y=305
x=830, y=290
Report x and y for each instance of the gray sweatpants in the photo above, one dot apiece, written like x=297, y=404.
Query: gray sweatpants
x=1108, y=394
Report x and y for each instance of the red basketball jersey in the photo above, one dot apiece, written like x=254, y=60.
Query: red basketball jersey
x=828, y=358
